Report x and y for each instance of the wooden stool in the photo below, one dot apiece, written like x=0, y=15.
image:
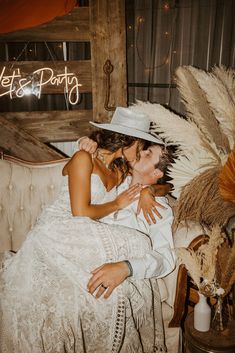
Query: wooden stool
x=208, y=342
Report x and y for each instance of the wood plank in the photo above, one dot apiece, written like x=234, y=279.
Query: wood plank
x=108, y=41
x=73, y=27
x=18, y=143
x=81, y=69
x=52, y=126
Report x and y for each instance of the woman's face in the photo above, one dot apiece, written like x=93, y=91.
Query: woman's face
x=130, y=153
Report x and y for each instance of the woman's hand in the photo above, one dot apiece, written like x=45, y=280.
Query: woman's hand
x=88, y=145
x=148, y=204
x=127, y=197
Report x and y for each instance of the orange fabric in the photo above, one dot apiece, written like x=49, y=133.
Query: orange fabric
x=20, y=14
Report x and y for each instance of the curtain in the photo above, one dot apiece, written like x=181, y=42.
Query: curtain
x=20, y=14
x=162, y=35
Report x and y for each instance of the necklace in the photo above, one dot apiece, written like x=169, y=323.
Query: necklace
x=101, y=158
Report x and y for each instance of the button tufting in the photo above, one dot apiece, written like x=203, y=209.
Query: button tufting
x=10, y=229
x=10, y=186
x=21, y=208
x=52, y=186
x=31, y=187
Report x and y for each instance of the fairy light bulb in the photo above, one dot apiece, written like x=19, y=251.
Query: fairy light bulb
x=166, y=6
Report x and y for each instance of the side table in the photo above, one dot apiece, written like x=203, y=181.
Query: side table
x=211, y=341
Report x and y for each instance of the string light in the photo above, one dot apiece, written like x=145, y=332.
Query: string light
x=140, y=19
x=166, y=6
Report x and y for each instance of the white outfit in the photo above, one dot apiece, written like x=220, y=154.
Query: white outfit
x=44, y=303
x=160, y=260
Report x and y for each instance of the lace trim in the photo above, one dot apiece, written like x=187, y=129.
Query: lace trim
x=120, y=323
x=118, y=329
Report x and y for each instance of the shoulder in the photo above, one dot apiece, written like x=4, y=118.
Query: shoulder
x=79, y=158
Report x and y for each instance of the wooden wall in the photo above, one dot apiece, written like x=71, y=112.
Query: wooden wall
x=24, y=134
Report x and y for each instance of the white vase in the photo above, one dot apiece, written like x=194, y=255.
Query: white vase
x=202, y=314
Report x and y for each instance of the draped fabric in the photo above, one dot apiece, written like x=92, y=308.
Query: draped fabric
x=165, y=34
x=20, y=14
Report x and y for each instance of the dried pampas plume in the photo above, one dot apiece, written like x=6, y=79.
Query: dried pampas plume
x=208, y=252
x=201, y=202
x=204, y=139
x=191, y=262
x=201, y=263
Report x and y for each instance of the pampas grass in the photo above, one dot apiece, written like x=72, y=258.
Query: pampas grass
x=197, y=108
x=201, y=263
x=192, y=263
x=219, y=101
x=227, y=76
x=204, y=140
x=201, y=202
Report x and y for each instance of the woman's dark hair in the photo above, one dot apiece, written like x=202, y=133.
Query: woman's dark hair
x=112, y=141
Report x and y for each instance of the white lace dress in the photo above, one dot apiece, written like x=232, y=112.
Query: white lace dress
x=45, y=306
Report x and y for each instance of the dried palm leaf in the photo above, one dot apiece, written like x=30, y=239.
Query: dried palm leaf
x=228, y=273
x=227, y=179
x=176, y=130
x=198, y=109
x=222, y=256
x=201, y=202
x=220, y=101
x=184, y=169
x=227, y=77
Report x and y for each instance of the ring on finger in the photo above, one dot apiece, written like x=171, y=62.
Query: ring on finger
x=103, y=286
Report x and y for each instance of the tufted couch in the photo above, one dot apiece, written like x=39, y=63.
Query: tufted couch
x=26, y=188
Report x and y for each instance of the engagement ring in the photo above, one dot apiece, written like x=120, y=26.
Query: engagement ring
x=103, y=286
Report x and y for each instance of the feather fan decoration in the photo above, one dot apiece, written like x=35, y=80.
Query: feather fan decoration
x=198, y=110
x=219, y=100
x=195, y=153
x=204, y=140
x=176, y=130
x=185, y=169
x=228, y=79
x=227, y=179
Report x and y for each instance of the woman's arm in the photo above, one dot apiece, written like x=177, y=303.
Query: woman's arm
x=148, y=204
x=79, y=170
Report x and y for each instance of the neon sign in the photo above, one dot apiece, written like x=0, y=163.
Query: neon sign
x=15, y=85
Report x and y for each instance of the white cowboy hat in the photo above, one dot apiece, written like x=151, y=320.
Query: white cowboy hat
x=128, y=122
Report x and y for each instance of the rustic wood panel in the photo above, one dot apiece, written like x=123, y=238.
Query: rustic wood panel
x=53, y=126
x=81, y=69
x=108, y=41
x=73, y=27
x=19, y=143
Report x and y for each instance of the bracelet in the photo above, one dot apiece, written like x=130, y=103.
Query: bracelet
x=130, y=268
